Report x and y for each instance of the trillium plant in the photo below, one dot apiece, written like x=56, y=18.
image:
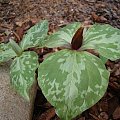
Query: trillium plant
x=71, y=79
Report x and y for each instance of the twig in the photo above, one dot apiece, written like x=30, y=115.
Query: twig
x=16, y=35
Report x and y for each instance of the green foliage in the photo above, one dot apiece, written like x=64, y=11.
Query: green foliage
x=71, y=80
x=63, y=37
x=35, y=36
x=6, y=52
x=104, y=39
x=22, y=70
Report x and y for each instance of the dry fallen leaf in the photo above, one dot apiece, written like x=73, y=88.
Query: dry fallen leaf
x=116, y=114
x=98, y=19
x=47, y=115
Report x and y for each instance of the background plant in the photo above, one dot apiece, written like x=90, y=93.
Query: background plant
x=71, y=80
x=24, y=64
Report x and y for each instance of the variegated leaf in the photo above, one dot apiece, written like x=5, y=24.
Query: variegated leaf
x=35, y=35
x=63, y=37
x=72, y=81
x=104, y=39
x=22, y=72
x=6, y=52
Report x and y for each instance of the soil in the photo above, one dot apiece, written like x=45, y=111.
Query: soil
x=16, y=16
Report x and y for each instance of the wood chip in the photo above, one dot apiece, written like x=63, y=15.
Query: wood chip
x=47, y=115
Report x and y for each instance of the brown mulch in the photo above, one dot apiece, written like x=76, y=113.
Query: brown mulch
x=17, y=16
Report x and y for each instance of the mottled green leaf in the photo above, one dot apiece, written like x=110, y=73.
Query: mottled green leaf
x=22, y=72
x=63, y=37
x=104, y=39
x=72, y=81
x=35, y=35
x=104, y=60
x=6, y=52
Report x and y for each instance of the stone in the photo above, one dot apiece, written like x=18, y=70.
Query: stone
x=12, y=105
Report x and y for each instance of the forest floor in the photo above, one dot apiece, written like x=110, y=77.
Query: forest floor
x=16, y=16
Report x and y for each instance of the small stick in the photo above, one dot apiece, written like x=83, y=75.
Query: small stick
x=16, y=35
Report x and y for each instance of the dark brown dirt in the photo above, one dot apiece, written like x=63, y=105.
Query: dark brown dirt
x=60, y=11
x=15, y=13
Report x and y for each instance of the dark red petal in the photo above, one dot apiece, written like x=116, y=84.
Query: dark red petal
x=77, y=39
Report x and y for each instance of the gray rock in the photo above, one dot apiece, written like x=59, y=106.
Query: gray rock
x=12, y=105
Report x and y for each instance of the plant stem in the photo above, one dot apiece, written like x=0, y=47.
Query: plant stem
x=15, y=47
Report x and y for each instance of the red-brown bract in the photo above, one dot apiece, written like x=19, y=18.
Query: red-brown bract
x=77, y=39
